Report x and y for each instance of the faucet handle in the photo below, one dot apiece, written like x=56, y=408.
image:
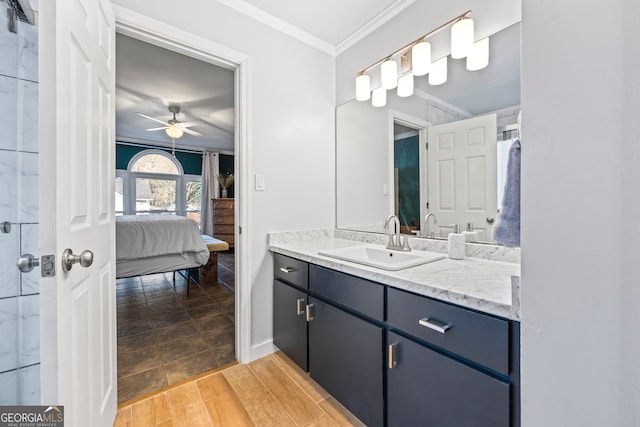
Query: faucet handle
x=405, y=244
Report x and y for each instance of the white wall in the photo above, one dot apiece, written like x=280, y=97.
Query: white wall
x=575, y=308
x=628, y=217
x=291, y=118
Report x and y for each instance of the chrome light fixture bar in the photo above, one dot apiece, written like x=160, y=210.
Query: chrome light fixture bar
x=462, y=45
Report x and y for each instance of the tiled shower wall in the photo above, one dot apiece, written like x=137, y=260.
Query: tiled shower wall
x=19, y=299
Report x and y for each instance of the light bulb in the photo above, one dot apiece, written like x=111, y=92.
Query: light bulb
x=405, y=85
x=461, y=38
x=438, y=73
x=363, y=87
x=174, y=131
x=421, y=58
x=379, y=97
x=478, y=58
x=389, y=74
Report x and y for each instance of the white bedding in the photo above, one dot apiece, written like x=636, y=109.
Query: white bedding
x=144, y=244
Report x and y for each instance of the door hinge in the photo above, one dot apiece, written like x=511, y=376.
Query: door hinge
x=48, y=266
x=239, y=230
x=426, y=145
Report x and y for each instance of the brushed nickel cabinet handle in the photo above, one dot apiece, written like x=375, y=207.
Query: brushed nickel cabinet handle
x=393, y=355
x=310, y=316
x=300, y=309
x=434, y=324
x=287, y=269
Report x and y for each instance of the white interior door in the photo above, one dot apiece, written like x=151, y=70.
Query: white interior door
x=77, y=115
x=462, y=174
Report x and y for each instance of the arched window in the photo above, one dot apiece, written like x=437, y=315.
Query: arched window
x=154, y=182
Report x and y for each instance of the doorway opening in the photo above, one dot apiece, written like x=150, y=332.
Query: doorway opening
x=175, y=326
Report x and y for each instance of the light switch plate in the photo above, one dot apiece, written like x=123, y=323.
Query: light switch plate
x=260, y=185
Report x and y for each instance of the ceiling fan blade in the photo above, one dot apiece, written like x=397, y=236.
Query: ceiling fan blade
x=192, y=132
x=163, y=127
x=153, y=118
x=188, y=124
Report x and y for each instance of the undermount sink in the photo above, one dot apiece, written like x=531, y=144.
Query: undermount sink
x=382, y=258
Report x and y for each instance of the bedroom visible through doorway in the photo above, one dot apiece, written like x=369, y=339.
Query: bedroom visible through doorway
x=171, y=109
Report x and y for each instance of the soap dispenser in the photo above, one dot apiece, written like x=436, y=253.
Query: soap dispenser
x=456, y=243
x=469, y=234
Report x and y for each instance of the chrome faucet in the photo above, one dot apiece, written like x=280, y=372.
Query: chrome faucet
x=426, y=224
x=395, y=239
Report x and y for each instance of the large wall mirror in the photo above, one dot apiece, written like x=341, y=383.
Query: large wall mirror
x=440, y=151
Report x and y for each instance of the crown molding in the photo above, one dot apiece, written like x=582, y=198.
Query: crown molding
x=373, y=24
x=278, y=24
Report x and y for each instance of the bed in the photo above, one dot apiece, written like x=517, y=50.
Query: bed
x=157, y=243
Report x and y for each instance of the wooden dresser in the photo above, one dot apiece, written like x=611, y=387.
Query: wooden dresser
x=223, y=220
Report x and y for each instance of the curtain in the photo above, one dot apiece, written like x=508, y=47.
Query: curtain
x=210, y=189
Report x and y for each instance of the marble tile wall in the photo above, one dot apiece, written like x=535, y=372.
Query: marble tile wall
x=19, y=293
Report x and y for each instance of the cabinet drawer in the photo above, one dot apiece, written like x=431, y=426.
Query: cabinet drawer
x=474, y=336
x=223, y=229
x=291, y=270
x=358, y=294
x=223, y=219
x=223, y=212
x=223, y=203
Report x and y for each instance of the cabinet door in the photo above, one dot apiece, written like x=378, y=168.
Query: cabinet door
x=426, y=388
x=290, y=322
x=345, y=357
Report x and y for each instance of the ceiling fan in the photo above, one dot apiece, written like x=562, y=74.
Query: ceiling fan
x=173, y=127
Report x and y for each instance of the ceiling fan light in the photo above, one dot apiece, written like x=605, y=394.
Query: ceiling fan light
x=438, y=73
x=462, y=38
x=389, y=74
x=174, y=132
x=363, y=87
x=478, y=58
x=421, y=58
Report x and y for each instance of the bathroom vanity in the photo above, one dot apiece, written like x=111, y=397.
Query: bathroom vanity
x=403, y=348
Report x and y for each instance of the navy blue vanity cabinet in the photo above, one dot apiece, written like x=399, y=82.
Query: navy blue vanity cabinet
x=346, y=341
x=449, y=366
x=289, y=308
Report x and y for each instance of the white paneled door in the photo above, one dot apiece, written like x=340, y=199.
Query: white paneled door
x=462, y=174
x=77, y=96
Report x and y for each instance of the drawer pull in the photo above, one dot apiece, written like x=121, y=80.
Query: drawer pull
x=434, y=324
x=300, y=307
x=310, y=312
x=393, y=355
x=287, y=269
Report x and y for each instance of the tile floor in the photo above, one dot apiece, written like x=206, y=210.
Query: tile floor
x=165, y=336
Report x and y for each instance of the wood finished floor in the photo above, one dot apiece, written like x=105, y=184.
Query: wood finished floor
x=165, y=336
x=271, y=391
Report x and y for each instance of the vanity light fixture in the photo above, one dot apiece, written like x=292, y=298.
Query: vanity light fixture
x=461, y=38
x=363, y=88
x=405, y=85
x=462, y=45
x=379, y=97
x=478, y=58
x=438, y=73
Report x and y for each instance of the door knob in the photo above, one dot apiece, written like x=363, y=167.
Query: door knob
x=490, y=220
x=68, y=259
x=27, y=263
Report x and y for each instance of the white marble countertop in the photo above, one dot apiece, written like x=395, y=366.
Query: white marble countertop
x=485, y=285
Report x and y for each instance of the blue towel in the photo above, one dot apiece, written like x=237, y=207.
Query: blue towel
x=507, y=229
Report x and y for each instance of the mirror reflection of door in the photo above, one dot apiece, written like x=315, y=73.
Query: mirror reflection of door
x=462, y=168
x=406, y=166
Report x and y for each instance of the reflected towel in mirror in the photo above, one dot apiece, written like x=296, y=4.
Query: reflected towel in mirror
x=507, y=229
